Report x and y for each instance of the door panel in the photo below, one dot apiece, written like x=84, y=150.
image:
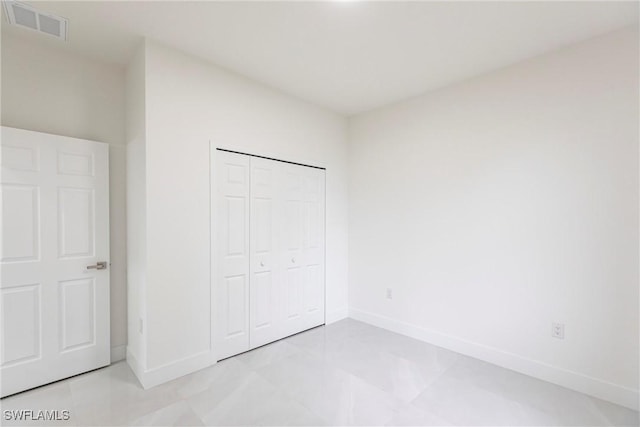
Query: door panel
x=21, y=324
x=314, y=249
x=293, y=294
x=236, y=211
x=21, y=234
x=263, y=209
x=265, y=268
x=313, y=290
x=262, y=287
x=19, y=158
x=77, y=317
x=312, y=235
x=75, y=163
x=235, y=290
x=303, y=255
x=76, y=225
x=231, y=270
x=293, y=225
x=55, y=223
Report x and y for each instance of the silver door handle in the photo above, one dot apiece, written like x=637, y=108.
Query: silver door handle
x=261, y=264
x=293, y=260
x=102, y=265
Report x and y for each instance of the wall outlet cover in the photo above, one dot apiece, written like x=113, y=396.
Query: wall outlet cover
x=557, y=330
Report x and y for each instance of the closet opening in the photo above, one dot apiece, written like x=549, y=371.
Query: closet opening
x=268, y=250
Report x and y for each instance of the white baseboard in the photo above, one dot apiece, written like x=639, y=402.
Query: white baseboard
x=118, y=353
x=336, y=315
x=573, y=380
x=152, y=377
x=134, y=364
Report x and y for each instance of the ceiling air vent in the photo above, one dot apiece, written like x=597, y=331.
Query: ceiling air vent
x=25, y=16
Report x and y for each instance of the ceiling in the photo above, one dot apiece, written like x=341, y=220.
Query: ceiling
x=349, y=56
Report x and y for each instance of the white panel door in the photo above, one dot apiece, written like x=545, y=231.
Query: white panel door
x=231, y=269
x=265, y=270
x=313, y=246
x=54, y=289
x=302, y=248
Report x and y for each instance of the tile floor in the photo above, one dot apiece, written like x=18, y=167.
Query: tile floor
x=348, y=373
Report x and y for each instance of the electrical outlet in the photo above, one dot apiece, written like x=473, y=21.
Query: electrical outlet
x=389, y=293
x=557, y=330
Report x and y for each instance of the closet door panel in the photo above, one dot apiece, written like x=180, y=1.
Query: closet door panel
x=291, y=251
x=293, y=297
x=231, y=272
x=265, y=267
x=303, y=253
x=313, y=248
x=314, y=291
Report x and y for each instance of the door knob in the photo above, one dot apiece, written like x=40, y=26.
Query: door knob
x=101, y=265
x=293, y=260
x=261, y=264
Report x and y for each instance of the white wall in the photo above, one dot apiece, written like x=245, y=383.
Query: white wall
x=499, y=205
x=136, y=203
x=54, y=91
x=189, y=103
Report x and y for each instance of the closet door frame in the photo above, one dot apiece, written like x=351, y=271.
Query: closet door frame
x=214, y=153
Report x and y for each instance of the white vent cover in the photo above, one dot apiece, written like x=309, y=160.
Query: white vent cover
x=25, y=16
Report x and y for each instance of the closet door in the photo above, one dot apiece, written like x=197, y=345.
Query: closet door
x=265, y=263
x=231, y=270
x=268, y=251
x=302, y=249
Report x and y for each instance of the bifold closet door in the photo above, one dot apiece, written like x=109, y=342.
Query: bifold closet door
x=231, y=271
x=302, y=248
x=268, y=248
